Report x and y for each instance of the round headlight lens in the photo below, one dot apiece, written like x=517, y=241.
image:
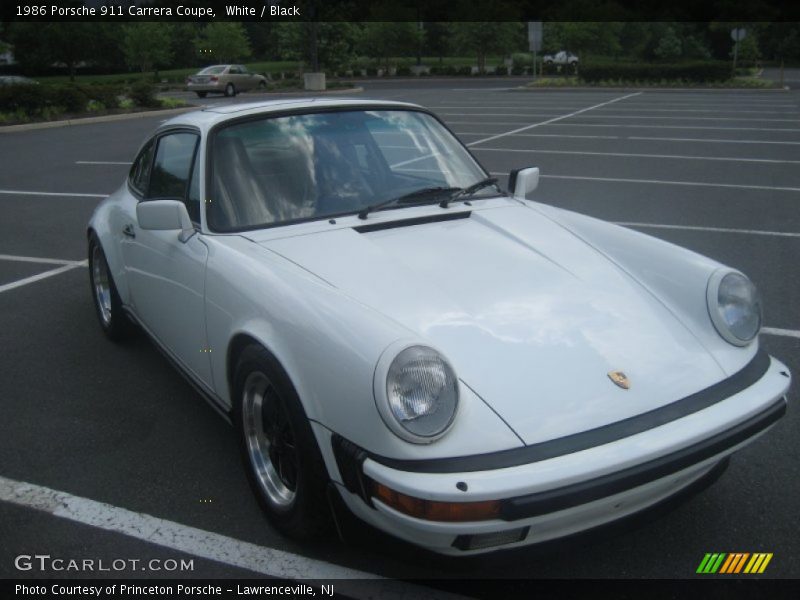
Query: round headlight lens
x=739, y=307
x=422, y=391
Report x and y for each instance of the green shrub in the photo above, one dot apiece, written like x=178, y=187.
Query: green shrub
x=403, y=71
x=517, y=70
x=143, y=94
x=107, y=95
x=68, y=96
x=466, y=70
x=522, y=59
x=501, y=70
x=95, y=106
x=694, y=72
x=30, y=98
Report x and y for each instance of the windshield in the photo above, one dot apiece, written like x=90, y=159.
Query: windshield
x=300, y=167
x=212, y=70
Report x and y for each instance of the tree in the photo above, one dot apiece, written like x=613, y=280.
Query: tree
x=147, y=45
x=748, y=50
x=484, y=38
x=226, y=41
x=38, y=46
x=780, y=41
x=669, y=47
x=437, y=39
x=382, y=40
x=583, y=37
x=334, y=47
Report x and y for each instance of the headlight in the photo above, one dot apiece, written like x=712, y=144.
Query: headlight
x=735, y=306
x=420, y=396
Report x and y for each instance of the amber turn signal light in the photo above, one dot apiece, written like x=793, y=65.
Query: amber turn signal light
x=436, y=511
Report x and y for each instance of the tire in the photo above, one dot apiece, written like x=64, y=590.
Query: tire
x=230, y=90
x=201, y=94
x=280, y=453
x=262, y=86
x=107, y=304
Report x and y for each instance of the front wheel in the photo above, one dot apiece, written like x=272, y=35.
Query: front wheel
x=108, y=306
x=201, y=94
x=283, y=462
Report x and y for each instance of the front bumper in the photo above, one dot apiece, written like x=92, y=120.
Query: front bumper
x=571, y=492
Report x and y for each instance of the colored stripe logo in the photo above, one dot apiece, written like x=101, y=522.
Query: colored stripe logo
x=734, y=563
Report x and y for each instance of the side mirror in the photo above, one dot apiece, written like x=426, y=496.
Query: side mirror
x=522, y=182
x=165, y=215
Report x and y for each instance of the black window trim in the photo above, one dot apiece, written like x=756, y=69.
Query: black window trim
x=156, y=139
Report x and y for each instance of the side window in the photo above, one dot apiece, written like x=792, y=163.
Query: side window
x=172, y=167
x=140, y=171
x=234, y=70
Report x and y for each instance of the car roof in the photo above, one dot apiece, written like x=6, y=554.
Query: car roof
x=212, y=115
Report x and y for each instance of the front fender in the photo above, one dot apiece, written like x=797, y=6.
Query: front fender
x=105, y=222
x=329, y=345
x=675, y=276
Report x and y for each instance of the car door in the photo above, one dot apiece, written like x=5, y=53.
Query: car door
x=235, y=77
x=166, y=276
x=249, y=80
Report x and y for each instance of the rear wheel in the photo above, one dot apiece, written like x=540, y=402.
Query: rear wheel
x=283, y=462
x=108, y=306
x=230, y=90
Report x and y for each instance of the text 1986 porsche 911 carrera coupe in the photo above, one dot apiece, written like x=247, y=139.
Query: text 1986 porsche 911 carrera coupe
x=459, y=366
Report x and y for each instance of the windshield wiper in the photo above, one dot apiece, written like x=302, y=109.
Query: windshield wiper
x=415, y=196
x=469, y=191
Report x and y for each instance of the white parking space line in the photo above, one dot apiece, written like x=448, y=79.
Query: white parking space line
x=204, y=544
x=781, y=332
x=38, y=277
x=618, y=125
x=36, y=259
x=606, y=115
x=562, y=117
x=634, y=110
x=101, y=162
x=500, y=89
x=615, y=116
x=662, y=182
x=546, y=135
x=65, y=194
x=689, y=183
x=568, y=101
x=669, y=139
x=633, y=155
x=789, y=234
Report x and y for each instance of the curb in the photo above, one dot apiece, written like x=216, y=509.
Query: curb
x=352, y=90
x=90, y=120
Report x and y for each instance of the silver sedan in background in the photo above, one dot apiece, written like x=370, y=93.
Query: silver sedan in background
x=225, y=79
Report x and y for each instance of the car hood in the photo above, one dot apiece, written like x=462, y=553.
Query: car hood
x=532, y=318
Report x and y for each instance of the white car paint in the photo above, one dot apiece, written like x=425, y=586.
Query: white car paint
x=532, y=305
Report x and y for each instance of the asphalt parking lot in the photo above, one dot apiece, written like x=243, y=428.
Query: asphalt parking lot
x=715, y=171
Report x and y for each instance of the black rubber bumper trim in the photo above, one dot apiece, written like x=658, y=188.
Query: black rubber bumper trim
x=514, y=457
x=588, y=491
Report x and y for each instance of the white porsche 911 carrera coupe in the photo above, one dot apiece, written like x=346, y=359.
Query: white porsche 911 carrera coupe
x=459, y=366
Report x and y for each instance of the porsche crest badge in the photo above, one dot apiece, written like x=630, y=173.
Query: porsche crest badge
x=619, y=378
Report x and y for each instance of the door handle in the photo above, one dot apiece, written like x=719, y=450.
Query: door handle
x=128, y=231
